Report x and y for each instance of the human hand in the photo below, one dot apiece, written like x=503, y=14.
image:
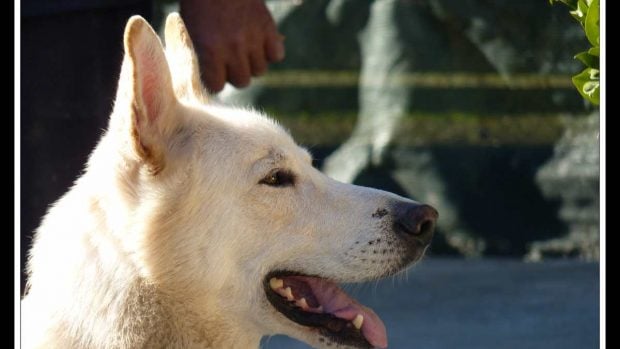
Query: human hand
x=234, y=39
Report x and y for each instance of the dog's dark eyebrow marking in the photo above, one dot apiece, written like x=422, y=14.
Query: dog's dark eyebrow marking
x=273, y=156
x=276, y=155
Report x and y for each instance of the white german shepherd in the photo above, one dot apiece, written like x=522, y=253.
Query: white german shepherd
x=203, y=226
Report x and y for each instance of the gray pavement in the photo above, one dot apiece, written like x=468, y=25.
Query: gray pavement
x=486, y=303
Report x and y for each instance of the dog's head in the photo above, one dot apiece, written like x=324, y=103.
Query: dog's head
x=231, y=218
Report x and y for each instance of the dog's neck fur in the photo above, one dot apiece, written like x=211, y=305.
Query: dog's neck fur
x=132, y=311
x=139, y=316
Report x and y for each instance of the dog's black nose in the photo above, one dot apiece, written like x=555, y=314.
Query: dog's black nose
x=415, y=221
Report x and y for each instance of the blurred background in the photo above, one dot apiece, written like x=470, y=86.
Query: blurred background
x=466, y=105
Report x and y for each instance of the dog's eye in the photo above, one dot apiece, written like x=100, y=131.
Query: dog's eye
x=279, y=178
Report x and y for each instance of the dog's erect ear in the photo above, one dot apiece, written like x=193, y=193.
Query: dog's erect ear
x=183, y=61
x=145, y=88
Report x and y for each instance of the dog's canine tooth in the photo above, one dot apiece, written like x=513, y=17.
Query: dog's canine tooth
x=358, y=321
x=288, y=293
x=302, y=304
x=276, y=283
x=285, y=292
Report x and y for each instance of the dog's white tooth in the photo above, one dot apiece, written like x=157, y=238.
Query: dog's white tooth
x=288, y=293
x=302, y=303
x=276, y=283
x=319, y=309
x=358, y=321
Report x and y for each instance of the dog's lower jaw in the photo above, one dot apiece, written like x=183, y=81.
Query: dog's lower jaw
x=186, y=326
x=213, y=334
x=239, y=340
x=192, y=321
x=207, y=336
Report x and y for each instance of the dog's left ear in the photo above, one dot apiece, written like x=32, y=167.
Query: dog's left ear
x=183, y=61
x=145, y=92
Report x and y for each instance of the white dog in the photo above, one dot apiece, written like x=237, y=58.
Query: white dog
x=202, y=226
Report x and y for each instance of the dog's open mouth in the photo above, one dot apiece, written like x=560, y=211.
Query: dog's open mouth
x=320, y=303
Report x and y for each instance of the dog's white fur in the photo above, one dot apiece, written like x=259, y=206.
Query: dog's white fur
x=165, y=239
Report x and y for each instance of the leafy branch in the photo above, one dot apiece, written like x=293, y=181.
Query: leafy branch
x=587, y=13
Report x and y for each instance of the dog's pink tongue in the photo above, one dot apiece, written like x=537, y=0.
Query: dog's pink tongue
x=338, y=303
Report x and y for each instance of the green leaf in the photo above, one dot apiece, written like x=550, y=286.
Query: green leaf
x=589, y=60
x=580, y=12
x=592, y=23
x=588, y=84
x=587, y=13
x=594, y=51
